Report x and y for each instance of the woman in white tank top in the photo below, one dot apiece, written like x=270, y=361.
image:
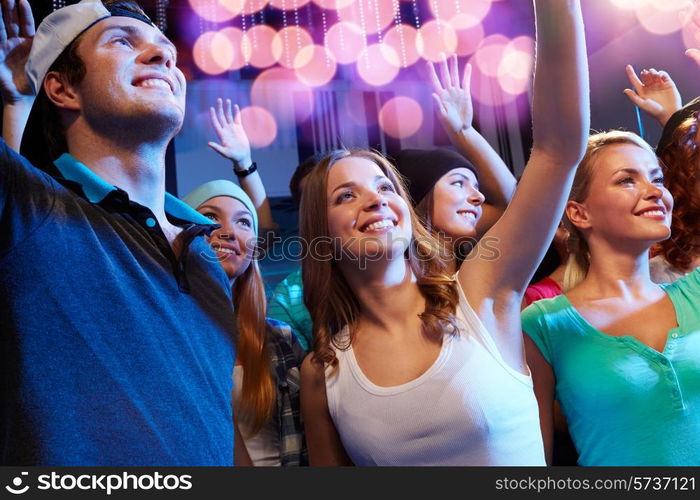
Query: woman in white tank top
x=409, y=365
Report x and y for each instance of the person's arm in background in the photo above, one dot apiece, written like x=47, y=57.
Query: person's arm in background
x=654, y=92
x=16, y=35
x=456, y=112
x=543, y=384
x=234, y=145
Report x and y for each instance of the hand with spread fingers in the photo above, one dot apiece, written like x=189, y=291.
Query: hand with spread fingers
x=234, y=145
x=16, y=35
x=691, y=31
x=233, y=141
x=452, y=96
x=654, y=92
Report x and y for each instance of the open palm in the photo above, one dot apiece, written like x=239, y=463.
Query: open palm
x=16, y=35
x=233, y=140
x=453, y=98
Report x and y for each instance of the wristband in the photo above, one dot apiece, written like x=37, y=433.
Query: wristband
x=245, y=173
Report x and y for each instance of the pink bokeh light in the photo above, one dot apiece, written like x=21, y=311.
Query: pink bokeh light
x=487, y=89
x=489, y=54
x=260, y=126
x=661, y=17
x=278, y=90
x=372, y=16
x=236, y=54
x=288, y=4
x=378, y=64
x=629, y=4
x=333, y=4
x=345, y=40
x=288, y=42
x=402, y=38
x=257, y=46
x=217, y=11
x=314, y=65
x=253, y=6
x=212, y=53
x=468, y=37
x=400, y=117
x=436, y=38
x=515, y=68
x=474, y=10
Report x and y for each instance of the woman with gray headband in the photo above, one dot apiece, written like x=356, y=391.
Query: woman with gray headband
x=266, y=373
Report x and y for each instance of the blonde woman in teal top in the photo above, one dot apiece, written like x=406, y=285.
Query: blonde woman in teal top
x=620, y=353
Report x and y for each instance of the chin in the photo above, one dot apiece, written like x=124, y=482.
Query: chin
x=232, y=270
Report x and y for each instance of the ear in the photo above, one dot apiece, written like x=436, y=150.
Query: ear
x=578, y=215
x=60, y=92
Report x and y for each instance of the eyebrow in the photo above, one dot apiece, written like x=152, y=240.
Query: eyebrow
x=634, y=170
x=134, y=31
x=474, y=182
x=353, y=183
x=218, y=211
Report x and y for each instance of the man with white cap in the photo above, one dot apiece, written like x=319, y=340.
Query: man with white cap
x=116, y=330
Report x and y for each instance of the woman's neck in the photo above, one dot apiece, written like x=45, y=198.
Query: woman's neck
x=618, y=273
x=388, y=293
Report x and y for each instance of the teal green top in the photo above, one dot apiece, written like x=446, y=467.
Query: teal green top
x=625, y=403
x=287, y=305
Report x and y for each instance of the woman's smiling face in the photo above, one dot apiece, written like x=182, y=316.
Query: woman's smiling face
x=234, y=242
x=366, y=215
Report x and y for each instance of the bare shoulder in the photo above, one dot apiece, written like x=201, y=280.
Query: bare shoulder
x=312, y=372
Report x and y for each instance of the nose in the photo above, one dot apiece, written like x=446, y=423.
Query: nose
x=225, y=232
x=375, y=201
x=476, y=197
x=653, y=191
x=156, y=54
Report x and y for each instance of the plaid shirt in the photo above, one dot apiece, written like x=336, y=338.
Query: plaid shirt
x=286, y=357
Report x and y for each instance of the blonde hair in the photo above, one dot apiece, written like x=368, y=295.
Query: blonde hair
x=327, y=294
x=579, y=255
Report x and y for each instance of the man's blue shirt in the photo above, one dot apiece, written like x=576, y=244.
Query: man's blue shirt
x=113, y=350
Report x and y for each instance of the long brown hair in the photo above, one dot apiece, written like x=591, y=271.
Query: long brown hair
x=681, y=177
x=327, y=294
x=579, y=255
x=258, y=391
x=452, y=248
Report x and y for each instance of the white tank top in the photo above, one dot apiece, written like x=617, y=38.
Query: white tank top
x=469, y=408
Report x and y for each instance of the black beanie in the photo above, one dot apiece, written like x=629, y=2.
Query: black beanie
x=672, y=124
x=422, y=168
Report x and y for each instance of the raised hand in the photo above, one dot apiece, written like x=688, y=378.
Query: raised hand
x=694, y=54
x=654, y=92
x=233, y=141
x=453, y=99
x=691, y=31
x=16, y=35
